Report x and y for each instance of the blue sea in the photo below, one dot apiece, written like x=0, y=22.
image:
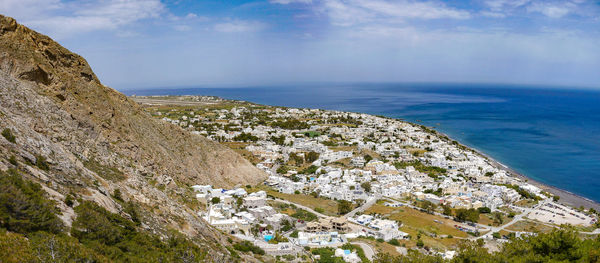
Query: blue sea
x=551, y=135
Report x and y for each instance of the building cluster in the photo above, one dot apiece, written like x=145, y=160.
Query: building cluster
x=345, y=156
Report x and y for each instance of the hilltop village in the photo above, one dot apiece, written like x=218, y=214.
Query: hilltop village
x=349, y=185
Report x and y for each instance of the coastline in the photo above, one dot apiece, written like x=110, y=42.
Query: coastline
x=566, y=197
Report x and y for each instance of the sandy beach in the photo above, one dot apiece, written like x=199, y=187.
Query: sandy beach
x=566, y=197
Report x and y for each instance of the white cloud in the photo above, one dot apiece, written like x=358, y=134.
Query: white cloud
x=493, y=14
x=239, y=26
x=501, y=5
x=285, y=2
x=552, y=10
x=549, y=8
x=182, y=28
x=64, y=18
x=349, y=12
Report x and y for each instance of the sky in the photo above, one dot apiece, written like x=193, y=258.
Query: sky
x=135, y=44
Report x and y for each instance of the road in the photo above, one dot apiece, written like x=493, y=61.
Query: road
x=525, y=212
x=369, y=252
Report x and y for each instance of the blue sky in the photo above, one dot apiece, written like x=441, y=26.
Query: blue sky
x=152, y=43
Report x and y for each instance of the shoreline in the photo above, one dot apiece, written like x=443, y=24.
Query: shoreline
x=566, y=197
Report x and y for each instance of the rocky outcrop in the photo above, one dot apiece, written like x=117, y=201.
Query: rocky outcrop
x=90, y=139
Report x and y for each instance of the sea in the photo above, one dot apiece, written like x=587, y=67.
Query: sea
x=551, y=135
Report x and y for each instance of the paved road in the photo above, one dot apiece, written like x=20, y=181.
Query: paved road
x=525, y=212
x=369, y=252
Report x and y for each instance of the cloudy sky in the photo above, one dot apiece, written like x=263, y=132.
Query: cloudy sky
x=151, y=43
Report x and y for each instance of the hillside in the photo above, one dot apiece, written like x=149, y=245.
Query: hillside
x=64, y=129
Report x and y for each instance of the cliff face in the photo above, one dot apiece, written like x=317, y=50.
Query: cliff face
x=92, y=140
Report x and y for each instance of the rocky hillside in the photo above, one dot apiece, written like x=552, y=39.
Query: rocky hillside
x=63, y=128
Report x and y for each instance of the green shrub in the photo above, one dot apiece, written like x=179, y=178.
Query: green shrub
x=8, y=135
x=69, y=201
x=247, y=246
x=13, y=160
x=117, y=195
x=40, y=162
x=394, y=242
x=24, y=207
x=294, y=234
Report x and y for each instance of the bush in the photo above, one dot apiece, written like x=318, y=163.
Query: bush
x=310, y=170
x=294, y=234
x=69, y=201
x=8, y=135
x=13, y=160
x=394, y=242
x=40, y=162
x=247, y=246
x=117, y=195
x=344, y=207
x=319, y=210
x=304, y=215
x=420, y=243
x=484, y=210
x=24, y=207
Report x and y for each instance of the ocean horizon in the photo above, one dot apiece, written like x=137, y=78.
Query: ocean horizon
x=550, y=135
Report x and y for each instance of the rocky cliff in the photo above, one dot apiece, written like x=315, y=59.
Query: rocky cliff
x=75, y=135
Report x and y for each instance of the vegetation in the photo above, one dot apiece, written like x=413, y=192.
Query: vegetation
x=247, y=246
x=432, y=171
x=559, y=245
x=366, y=186
x=30, y=231
x=463, y=214
x=245, y=137
x=8, y=135
x=291, y=124
x=24, y=207
x=327, y=255
x=344, y=207
x=304, y=215
x=310, y=170
x=40, y=162
x=311, y=157
x=522, y=192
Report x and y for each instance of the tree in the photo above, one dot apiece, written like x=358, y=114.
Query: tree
x=556, y=198
x=366, y=186
x=420, y=243
x=24, y=206
x=368, y=158
x=484, y=210
x=467, y=215
x=447, y=210
x=498, y=219
x=344, y=207
x=215, y=200
x=311, y=157
x=428, y=206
